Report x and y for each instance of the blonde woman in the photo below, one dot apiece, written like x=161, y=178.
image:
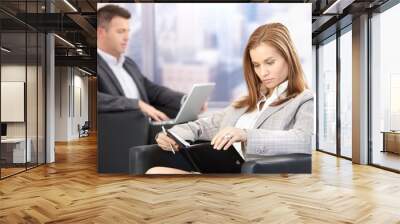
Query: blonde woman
x=276, y=117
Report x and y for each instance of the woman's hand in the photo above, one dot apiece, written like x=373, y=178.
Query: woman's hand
x=227, y=136
x=166, y=142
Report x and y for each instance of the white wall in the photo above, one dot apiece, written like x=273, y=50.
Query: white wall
x=17, y=73
x=62, y=81
x=71, y=94
x=14, y=73
x=33, y=126
x=79, y=117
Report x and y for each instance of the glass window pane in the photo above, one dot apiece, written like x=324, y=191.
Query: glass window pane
x=13, y=87
x=23, y=86
x=385, y=86
x=31, y=100
x=41, y=98
x=327, y=96
x=346, y=94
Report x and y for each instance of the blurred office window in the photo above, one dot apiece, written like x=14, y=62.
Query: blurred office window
x=327, y=96
x=346, y=93
x=385, y=86
x=177, y=45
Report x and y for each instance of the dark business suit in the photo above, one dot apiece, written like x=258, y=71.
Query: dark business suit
x=110, y=96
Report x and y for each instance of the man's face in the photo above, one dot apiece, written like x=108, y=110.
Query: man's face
x=116, y=35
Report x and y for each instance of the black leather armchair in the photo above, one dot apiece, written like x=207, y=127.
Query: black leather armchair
x=142, y=158
x=117, y=132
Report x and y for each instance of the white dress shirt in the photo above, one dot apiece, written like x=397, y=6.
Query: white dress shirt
x=125, y=80
x=248, y=120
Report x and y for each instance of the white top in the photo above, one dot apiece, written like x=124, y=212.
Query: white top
x=125, y=80
x=248, y=120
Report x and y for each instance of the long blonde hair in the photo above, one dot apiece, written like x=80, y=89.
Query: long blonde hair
x=277, y=36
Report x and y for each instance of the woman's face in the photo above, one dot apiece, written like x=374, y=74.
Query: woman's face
x=269, y=65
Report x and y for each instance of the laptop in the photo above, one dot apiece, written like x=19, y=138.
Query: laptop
x=196, y=98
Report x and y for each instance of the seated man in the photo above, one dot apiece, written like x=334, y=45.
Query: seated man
x=121, y=85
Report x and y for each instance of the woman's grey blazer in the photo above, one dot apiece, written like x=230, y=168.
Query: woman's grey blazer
x=282, y=129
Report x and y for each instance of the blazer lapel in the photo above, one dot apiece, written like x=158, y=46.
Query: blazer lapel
x=235, y=116
x=268, y=112
x=103, y=64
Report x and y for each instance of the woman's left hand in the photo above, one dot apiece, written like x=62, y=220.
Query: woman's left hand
x=227, y=136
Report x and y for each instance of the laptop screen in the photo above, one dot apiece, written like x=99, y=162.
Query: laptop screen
x=195, y=100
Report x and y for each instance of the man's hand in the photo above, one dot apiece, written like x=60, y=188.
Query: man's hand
x=204, y=107
x=152, y=112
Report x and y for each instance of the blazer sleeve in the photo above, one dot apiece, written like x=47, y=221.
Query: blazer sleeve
x=201, y=129
x=296, y=140
x=110, y=103
x=106, y=101
x=162, y=96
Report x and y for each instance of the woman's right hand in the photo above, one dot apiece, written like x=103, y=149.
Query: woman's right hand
x=166, y=142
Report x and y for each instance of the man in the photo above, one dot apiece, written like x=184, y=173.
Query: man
x=121, y=85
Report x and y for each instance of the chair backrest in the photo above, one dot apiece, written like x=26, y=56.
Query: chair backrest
x=86, y=125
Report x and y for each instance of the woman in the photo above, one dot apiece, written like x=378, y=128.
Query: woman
x=276, y=117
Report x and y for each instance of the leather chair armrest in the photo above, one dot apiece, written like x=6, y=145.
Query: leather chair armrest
x=117, y=132
x=290, y=163
x=142, y=158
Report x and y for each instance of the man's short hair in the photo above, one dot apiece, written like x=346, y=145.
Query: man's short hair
x=107, y=13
